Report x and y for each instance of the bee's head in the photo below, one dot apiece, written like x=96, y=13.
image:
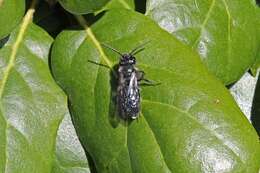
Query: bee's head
x=127, y=59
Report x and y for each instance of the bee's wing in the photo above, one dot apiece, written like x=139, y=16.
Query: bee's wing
x=133, y=85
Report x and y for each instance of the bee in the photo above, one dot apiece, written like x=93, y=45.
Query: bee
x=129, y=78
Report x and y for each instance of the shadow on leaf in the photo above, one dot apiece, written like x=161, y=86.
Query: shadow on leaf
x=255, y=112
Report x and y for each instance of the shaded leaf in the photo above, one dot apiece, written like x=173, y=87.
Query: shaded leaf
x=11, y=13
x=32, y=105
x=70, y=156
x=3, y=41
x=83, y=7
x=255, y=118
x=51, y=18
x=223, y=32
x=189, y=123
x=51, y=2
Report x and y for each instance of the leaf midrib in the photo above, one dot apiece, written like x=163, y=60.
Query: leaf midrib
x=205, y=21
x=26, y=21
x=229, y=31
x=24, y=25
x=1, y=3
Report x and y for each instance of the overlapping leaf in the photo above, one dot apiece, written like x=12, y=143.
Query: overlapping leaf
x=70, y=157
x=189, y=123
x=11, y=12
x=223, y=32
x=32, y=105
x=83, y=7
x=128, y=4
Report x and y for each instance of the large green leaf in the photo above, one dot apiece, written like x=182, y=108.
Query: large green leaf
x=70, y=157
x=83, y=6
x=223, y=32
x=32, y=105
x=11, y=13
x=189, y=123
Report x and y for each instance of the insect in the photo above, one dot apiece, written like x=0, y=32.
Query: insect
x=128, y=89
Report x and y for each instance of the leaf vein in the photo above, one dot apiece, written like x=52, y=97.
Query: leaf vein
x=203, y=25
x=93, y=38
x=229, y=29
x=128, y=149
x=24, y=25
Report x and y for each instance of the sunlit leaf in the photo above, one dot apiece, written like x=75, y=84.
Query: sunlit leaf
x=222, y=32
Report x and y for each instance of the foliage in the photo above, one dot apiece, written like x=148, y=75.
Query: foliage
x=219, y=31
x=188, y=123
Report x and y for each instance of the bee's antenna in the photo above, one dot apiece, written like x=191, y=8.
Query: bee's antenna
x=107, y=46
x=139, y=48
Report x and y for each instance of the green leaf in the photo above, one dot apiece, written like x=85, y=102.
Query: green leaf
x=83, y=7
x=256, y=65
x=128, y=4
x=32, y=105
x=70, y=156
x=11, y=13
x=222, y=32
x=188, y=123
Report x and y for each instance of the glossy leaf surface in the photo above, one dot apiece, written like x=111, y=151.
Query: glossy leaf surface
x=70, y=157
x=32, y=105
x=222, y=32
x=188, y=124
x=13, y=10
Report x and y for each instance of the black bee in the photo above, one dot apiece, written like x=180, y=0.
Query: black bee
x=128, y=89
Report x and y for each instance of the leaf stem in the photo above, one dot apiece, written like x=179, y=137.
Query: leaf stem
x=25, y=23
x=1, y=3
x=89, y=32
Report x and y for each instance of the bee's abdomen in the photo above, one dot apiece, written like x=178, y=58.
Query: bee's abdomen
x=130, y=103
x=128, y=96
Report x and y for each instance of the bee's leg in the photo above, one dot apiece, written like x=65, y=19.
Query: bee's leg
x=139, y=116
x=140, y=75
x=149, y=82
